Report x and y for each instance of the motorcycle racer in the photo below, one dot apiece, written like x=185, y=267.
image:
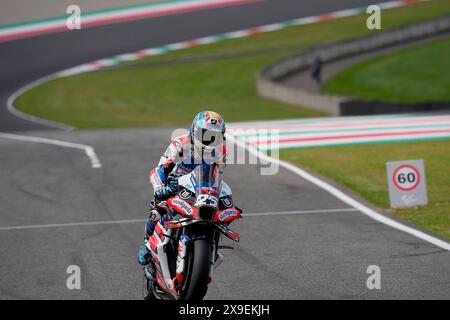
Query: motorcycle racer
x=205, y=143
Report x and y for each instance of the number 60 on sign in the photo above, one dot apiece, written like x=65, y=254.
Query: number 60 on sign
x=406, y=180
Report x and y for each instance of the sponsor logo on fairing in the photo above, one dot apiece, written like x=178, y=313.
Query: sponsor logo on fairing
x=184, y=194
x=228, y=213
x=183, y=205
x=226, y=201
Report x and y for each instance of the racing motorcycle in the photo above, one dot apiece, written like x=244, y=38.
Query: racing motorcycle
x=185, y=249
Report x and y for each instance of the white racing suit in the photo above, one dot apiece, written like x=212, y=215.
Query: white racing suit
x=178, y=159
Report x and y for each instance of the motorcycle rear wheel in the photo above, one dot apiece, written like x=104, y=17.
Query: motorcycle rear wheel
x=200, y=263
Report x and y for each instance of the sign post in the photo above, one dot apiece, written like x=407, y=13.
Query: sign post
x=407, y=183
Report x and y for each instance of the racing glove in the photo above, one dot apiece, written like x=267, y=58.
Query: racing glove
x=163, y=193
x=172, y=182
x=170, y=189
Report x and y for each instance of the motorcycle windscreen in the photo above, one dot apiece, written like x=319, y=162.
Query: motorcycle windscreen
x=207, y=190
x=207, y=179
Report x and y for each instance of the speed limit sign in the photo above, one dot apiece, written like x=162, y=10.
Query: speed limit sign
x=407, y=186
x=406, y=177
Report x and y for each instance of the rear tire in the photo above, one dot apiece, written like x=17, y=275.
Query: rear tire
x=200, y=259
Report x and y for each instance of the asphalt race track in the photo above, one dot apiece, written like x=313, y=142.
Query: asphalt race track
x=308, y=245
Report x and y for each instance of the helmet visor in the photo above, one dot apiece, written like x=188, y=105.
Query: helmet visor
x=210, y=138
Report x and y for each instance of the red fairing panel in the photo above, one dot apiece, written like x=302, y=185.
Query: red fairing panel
x=227, y=215
x=154, y=241
x=182, y=207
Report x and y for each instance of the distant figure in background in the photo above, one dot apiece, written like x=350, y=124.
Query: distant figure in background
x=317, y=70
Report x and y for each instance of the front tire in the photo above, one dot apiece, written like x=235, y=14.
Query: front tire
x=200, y=262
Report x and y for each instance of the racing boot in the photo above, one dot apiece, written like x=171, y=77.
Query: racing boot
x=145, y=258
x=144, y=254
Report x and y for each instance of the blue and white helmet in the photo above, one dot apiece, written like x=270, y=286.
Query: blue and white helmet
x=208, y=130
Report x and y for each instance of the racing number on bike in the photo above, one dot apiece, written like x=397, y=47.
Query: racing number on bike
x=406, y=177
x=207, y=200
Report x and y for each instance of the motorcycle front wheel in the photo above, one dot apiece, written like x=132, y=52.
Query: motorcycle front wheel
x=198, y=272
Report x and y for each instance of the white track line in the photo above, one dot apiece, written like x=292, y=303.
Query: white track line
x=343, y=197
x=88, y=150
x=262, y=214
x=26, y=116
x=96, y=223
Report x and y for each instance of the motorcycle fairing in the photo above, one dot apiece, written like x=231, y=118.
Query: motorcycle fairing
x=202, y=197
x=182, y=207
x=228, y=232
x=187, y=181
x=183, y=222
x=225, y=190
x=227, y=215
x=163, y=277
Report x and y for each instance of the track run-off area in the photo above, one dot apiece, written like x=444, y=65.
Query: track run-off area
x=298, y=239
x=303, y=133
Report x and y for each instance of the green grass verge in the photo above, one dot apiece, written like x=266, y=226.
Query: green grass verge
x=362, y=168
x=170, y=95
x=419, y=74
